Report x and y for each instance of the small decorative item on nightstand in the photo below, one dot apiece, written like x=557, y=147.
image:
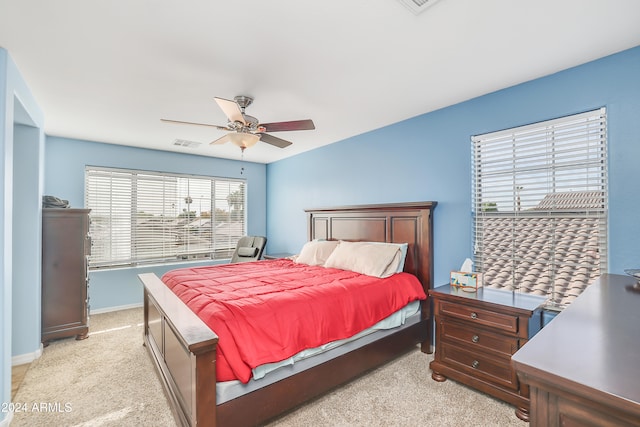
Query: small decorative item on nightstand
x=466, y=279
x=469, y=282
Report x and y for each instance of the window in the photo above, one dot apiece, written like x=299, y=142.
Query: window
x=540, y=206
x=142, y=217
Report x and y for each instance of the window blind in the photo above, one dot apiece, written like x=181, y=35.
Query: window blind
x=142, y=217
x=540, y=206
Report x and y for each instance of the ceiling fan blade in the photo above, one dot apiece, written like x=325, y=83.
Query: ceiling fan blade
x=222, y=140
x=273, y=140
x=285, y=126
x=231, y=109
x=192, y=123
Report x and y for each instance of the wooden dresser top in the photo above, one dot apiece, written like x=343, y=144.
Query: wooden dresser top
x=593, y=345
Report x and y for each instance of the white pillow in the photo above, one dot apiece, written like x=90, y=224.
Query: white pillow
x=399, y=266
x=370, y=258
x=316, y=252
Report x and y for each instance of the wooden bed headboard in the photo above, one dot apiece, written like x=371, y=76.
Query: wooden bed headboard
x=410, y=223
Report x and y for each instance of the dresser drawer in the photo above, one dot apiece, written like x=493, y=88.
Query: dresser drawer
x=479, y=316
x=496, y=370
x=478, y=339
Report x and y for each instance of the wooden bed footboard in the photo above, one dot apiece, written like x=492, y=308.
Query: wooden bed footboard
x=183, y=349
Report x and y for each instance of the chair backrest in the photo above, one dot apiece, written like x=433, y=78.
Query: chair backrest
x=249, y=248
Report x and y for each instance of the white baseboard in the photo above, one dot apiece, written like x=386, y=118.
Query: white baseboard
x=118, y=308
x=7, y=420
x=21, y=359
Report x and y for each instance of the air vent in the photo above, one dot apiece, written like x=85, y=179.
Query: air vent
x=185, y=143
x=417, y=6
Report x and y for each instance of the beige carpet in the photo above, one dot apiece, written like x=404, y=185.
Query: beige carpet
x=108, y=380
x=105, y=380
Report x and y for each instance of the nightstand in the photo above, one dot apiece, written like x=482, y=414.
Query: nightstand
x=476, y=335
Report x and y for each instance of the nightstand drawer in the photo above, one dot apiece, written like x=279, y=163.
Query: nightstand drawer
x=499, y=321
x=493, y=369
x=478, y=339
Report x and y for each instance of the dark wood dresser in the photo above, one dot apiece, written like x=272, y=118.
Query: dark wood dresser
x=583, y=368
x=65, y=247
x=476, y=335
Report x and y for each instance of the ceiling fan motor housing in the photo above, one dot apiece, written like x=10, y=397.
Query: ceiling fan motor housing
x=251, y=123
x=243, y=101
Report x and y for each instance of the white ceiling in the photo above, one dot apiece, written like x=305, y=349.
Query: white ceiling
x=109, y=70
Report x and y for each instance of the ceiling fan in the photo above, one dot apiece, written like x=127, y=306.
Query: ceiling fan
x=244, y=130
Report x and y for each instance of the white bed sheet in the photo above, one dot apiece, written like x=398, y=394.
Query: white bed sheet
x=272, y=372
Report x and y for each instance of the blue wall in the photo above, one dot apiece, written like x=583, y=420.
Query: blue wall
x=21, y=165
x=65, y=161
x=429, y=158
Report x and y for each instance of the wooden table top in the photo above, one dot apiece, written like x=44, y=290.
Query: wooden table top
x=594, y=344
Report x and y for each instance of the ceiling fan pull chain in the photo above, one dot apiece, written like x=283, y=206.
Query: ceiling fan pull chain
x=242, y=159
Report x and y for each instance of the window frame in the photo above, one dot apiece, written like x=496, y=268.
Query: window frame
x=154, y=225
x=567, y=191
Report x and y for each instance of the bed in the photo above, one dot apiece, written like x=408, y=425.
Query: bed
x=183, y=348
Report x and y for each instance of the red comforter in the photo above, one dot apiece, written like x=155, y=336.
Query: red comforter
x=267, y=311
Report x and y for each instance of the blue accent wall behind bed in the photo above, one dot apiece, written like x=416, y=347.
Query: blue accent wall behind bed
x=429, y=158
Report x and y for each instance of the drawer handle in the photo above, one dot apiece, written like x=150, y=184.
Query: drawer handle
x=475, y=364
x=475, y=338
x=474, y=315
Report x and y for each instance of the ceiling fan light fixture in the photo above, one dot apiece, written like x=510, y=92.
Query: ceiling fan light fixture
x=244, y=140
